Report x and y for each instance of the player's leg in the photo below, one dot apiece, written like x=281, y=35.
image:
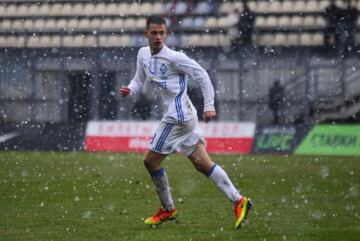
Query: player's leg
x=204, y=164
x=159, y=148
x=167, y=211
x=158, y=175
x=153, y=160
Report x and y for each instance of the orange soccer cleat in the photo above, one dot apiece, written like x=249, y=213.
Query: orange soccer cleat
x=241, y=210
x=161, y=216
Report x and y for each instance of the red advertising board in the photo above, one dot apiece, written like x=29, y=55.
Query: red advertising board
x=132, y=136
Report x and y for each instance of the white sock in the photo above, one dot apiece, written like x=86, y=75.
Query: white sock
x=222, y=181
x=160, y=180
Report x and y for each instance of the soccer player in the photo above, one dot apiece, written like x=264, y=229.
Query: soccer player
x=169, y=72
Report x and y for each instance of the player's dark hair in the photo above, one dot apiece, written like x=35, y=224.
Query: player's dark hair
x=155, y=19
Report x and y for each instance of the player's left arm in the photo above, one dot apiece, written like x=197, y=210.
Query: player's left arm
x=190, y=67
x=209, y=115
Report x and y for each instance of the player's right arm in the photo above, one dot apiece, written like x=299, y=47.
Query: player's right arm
x=124, y=91
x=137, y=82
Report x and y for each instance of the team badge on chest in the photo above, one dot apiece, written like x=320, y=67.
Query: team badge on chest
x=163, y=69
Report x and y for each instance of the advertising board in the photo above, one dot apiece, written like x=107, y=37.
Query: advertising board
x=278, y=139
x=41, y=137
x=332, y=140
x=130, y=136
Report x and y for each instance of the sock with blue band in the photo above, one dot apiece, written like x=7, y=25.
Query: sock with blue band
x=160, y=180
x=222, y=181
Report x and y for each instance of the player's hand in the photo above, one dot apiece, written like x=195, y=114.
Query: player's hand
x=209, y=115
x=124, y=91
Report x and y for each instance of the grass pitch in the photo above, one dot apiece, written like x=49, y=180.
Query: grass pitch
x=86, y=196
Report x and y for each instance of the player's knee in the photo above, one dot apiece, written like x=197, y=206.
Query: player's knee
x=150, y=166
x=147, y=164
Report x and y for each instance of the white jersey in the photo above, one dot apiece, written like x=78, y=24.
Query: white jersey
x=169, y=72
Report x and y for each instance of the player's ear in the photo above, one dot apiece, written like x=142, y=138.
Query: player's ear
x=145, y=33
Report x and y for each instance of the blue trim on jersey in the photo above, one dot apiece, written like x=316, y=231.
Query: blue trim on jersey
x=163, y=136
x=152, y=65
x=179, y=111
x=155, y=65
x=211, y=170
x=158, y=173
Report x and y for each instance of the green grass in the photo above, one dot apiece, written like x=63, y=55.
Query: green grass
x=86, y=196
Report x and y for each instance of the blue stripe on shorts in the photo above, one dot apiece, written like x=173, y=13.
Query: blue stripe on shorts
x=163, y=136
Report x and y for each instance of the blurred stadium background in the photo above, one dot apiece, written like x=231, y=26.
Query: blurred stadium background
x=62, y=62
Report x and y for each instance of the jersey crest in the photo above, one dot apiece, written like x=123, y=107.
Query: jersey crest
x=163, y=69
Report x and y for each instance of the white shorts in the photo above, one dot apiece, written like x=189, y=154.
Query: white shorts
x=170, y=137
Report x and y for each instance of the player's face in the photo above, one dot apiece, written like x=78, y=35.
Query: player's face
x=156, y=35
